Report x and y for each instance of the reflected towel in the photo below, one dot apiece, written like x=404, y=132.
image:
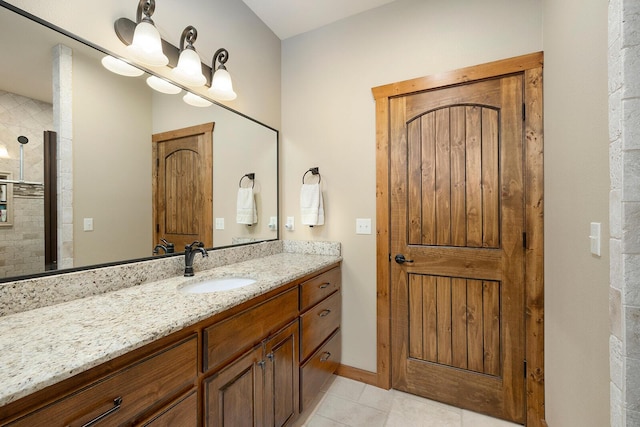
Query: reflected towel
x=311, y=205
x=246, y=212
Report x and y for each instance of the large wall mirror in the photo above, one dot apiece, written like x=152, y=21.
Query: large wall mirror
x=103, y=203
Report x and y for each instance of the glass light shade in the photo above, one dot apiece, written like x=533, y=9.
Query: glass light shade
x=221, y=86
x=120, y=67
x=196, y=100
x=163, y=86
x=147, y=45
x=189, y=69
x=4, y=154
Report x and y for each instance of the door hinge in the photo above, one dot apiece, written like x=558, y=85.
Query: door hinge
x=389, y=257
x=158, y=162
x=525, y=369
x=157, y=228
x=524, y=240
x=524, y=111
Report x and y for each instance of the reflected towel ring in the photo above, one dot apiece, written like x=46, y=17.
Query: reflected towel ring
x=314, y=171
x=251, y=176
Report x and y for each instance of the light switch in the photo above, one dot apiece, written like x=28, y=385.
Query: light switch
x=594, y=238
x=219, y=223
x=88, y=224
x=363, y=225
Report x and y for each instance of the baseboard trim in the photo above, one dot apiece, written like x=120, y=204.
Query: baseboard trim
x=357, y=374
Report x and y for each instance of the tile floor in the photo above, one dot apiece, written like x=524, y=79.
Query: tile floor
x=350, y=403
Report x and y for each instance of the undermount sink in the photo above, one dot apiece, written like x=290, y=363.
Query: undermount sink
x=216, y=285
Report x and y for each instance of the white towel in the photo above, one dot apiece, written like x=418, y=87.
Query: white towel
x=311, y=204
x=246, y=212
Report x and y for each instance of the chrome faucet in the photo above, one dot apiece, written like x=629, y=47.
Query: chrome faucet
x=189, y=253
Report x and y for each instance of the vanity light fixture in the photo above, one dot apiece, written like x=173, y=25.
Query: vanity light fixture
x=189, y=69
x=120, y=67
x=4, y=154
x=195, y=100
x=22, y=140
x=162, y=85
x=146, y=46
x=221, y=85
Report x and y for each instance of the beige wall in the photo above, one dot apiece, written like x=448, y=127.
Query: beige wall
x=576, y=193
x=328, y=117
x=111, y=164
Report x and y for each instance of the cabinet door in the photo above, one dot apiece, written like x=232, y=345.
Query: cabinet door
x=234, y=396
x=282, y=377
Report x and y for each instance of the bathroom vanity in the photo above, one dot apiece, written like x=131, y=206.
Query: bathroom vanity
x=252, y=356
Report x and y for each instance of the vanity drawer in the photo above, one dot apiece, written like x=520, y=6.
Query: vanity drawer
x=232, y=336
x=318, y=323
x=318, y=369
x=314, y=290
x=127, y=393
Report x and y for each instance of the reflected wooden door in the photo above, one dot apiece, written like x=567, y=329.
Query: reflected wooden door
x=457, y=217
x=183, y=186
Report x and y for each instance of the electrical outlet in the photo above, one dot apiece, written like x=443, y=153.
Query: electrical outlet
x=290, y=224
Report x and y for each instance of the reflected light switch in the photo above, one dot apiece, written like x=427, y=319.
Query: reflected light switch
x=219, y=223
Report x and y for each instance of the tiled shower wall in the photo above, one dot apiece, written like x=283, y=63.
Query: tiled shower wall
x=22, y=243
x=624, y=208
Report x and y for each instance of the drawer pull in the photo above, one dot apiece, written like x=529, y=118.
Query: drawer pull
x=324, y=313
x=325, y=356
x=117, y=402
x=324, y=285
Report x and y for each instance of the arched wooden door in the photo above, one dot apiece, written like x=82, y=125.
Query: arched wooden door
x=458, y=323
x=183, y=186
x=457, y=218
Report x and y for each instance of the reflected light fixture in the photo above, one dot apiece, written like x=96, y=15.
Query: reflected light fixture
x=162, y=85
x=121, y=67
x=146, y=46
x=195, y=100
x=4, y=154
x=221, y=85
x=189, y=69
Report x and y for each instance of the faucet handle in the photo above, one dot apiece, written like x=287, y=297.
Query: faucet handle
x=195, y=244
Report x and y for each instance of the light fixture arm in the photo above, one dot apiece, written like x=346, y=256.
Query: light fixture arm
x=146, y=7
x=222, y=56
x=189, y=34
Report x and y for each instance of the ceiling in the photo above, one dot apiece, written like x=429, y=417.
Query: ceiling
x=288, y=18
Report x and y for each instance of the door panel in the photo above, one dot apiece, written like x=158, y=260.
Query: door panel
x=457, y=215
x=183, y=176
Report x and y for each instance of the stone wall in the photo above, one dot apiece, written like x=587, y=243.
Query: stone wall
x=624, y=152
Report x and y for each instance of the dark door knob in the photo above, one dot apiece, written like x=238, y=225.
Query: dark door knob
x=400, y=259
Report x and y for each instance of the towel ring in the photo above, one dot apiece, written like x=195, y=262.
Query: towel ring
x=251, y=176
x=314, y=171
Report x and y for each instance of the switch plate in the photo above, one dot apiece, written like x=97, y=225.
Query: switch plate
x=88, y=224
x=273, y=223
x=219, y=223
x=290, y=224
x=594, y=238
x=363, y=225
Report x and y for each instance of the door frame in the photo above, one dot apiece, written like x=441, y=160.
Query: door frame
x=531, y=66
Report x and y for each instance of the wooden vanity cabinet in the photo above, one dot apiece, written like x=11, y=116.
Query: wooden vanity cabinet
x=260, y=388
x=129, y=394
x=320, y=339
x=256, y=364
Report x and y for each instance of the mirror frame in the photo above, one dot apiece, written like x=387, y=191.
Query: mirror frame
x=66, y=33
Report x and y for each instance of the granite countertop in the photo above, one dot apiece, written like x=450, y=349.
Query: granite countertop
x=43, y=346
